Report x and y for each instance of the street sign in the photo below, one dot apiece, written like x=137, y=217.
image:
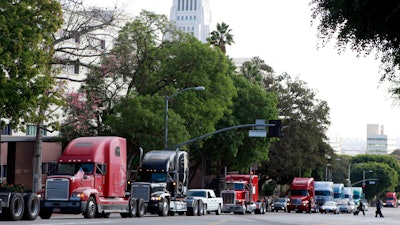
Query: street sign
x=371, y=182
x=257, y=133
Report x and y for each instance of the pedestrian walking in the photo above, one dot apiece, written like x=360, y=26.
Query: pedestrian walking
x=378, y=209
x=361, y=207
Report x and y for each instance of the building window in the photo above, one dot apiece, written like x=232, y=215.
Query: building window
x=68, y=69
x=77, y=39
x=7, y=130
x=31, y=130
x=49, y=168
x=195, y=5
x=3, y=172
x=76, y=68
x=103, y=44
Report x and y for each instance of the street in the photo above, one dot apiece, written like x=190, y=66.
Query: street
x=392, y=216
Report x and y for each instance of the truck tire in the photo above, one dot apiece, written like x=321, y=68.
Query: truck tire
x=132, y=209
x=141, y=208
x=45, y=215
x=91, y=209
x=32, y=206
x=16, y=207
x=243, y=210
x=218, y=212
x=201, y=208
x=164, y=208
x=193, y=210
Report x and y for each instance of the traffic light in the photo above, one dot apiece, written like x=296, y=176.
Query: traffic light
x=276, y=130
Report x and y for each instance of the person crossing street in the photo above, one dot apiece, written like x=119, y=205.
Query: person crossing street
x=378, y=209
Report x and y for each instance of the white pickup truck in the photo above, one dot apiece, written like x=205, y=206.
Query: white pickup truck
x=211, y=202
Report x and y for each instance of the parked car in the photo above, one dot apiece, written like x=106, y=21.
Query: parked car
x=279, y=204
x=344, y=206
x=353, y=206
x=329, y=207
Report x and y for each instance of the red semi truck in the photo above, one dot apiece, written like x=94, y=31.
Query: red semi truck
x=391, y=199
x=91, y=179
x=241, y=195
x=302, y=195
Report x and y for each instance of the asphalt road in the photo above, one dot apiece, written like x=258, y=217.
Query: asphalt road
x=392, y=216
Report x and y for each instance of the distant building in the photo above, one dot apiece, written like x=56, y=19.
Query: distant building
x=377, y=141
x=192, y=16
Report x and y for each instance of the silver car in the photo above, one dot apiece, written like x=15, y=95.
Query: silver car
x=344, y=206
x=329, y=207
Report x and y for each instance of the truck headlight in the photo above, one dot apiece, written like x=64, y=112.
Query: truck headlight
x=155, y=198
x=77, y=195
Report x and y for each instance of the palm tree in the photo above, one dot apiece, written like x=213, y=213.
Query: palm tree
x=221, y=37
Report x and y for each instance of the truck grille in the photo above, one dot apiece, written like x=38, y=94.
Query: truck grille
x=57, y=189
x=295, y=201
x=141, y=191
x=228, y=197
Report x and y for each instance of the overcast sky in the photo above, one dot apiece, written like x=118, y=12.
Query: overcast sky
x=280, y=32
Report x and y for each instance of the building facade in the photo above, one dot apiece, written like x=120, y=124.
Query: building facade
x=377, y=141
x=192, y=16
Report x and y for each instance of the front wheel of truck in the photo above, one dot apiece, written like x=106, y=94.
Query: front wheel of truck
x=164, y=208
x=141, y=208
x=45, y=215
x=91, y=209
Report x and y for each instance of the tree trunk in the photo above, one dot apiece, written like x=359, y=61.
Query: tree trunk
x=37, y=161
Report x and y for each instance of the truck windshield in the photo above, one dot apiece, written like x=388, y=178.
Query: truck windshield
x=197, y=193
x=322, y=193
x=235, y=186
x=73, y=168
x=299, y=192
x=152, y=177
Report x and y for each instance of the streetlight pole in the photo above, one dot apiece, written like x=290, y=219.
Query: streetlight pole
x=348, y=176
x=198, y=88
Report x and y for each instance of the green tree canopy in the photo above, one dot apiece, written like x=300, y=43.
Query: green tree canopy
x=365, y=26
x=26, y=29
x=385, y=168
x=303, y=146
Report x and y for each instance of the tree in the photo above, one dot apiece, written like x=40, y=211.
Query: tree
x=384, y=167
x=91, y=31
x=365, y=26
x=27, y=29
x=221, y=37
x=255, y=69
x=26, y=83
x=303, y=146
x=152, y=60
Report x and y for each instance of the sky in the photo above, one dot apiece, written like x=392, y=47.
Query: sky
x=281, y=33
